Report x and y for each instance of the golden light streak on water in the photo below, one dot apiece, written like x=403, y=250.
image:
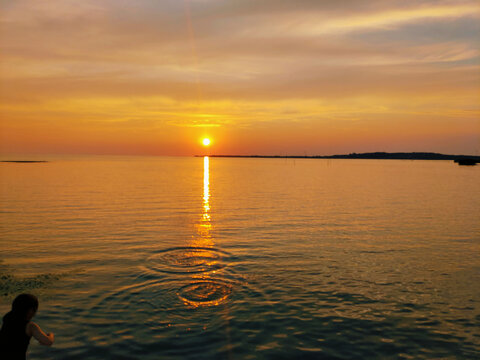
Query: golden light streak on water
x=206, y=188
x=205, y=290
x=205, y=225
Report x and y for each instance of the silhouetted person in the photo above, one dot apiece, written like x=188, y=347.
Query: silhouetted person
x=17, y=329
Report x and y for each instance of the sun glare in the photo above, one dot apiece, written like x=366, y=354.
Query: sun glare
x=206, y=142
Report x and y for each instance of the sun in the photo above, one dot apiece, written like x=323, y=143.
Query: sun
x=206, y=142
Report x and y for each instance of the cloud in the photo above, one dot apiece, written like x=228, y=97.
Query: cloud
x=211, y=65
x=385, y=19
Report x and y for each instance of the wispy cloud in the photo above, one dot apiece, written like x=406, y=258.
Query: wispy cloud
x=384, y=19
x=219, y=66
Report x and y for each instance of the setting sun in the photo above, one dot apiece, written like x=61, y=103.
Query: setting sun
x=206, y=142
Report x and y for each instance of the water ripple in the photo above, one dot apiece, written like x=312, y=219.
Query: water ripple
x=205, y=293
x=187, y=260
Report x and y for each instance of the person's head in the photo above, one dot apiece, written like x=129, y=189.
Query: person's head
x=25, y=306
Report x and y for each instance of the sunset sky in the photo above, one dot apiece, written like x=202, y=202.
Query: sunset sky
x=257, y=77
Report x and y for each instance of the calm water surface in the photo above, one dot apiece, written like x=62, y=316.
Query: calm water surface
x=197, y=258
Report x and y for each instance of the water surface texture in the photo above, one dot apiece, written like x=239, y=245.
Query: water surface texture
x=198, y=258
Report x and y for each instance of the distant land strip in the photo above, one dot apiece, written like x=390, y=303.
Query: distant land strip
x=374, y=155
x=24, y=161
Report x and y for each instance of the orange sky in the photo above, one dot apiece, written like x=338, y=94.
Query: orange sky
x=258, y=77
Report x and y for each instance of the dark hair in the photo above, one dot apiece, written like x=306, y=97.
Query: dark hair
x=22, y=304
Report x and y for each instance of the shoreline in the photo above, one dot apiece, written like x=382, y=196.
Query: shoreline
x=370, y=156
x=23, y=161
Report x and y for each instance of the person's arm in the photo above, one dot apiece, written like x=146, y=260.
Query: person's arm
x=35, y=331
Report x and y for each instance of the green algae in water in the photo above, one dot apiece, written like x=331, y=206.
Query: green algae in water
x=12, y=285
x=9, y=284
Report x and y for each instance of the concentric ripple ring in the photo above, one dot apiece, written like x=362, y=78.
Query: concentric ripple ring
x=185, y=260
x=205, y=293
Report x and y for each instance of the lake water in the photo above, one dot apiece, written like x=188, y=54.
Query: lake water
x=197, y=258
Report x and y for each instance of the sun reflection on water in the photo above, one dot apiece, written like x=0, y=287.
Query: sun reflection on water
x=204, y=289
x=206, y=188
x=205, y=226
